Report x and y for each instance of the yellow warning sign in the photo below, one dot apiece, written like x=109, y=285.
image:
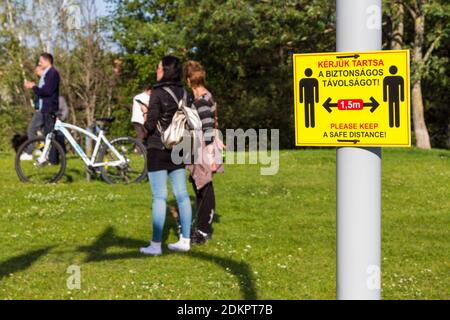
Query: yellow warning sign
x=352, y=98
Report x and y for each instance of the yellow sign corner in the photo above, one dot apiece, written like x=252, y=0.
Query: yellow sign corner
x=352, y=99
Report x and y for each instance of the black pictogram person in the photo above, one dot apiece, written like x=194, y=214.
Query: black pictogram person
x=394, y=92
x=310, y=86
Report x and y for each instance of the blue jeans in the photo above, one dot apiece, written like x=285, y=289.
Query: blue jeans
x=158, y=184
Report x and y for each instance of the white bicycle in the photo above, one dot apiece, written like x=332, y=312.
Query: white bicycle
x=123, y=160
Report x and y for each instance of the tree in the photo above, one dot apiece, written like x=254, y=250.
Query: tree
x=72, y=32
x=246, y=47
x=13, y=41
x=397, y=10
x=422, y=49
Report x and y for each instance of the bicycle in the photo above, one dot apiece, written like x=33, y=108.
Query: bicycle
x=123, y=160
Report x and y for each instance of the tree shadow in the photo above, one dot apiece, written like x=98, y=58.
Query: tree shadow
x=97, y=252
x=21, y=262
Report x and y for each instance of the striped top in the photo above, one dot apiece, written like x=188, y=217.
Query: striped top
x=206, y=108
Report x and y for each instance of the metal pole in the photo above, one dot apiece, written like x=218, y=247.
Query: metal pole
x=358, y=173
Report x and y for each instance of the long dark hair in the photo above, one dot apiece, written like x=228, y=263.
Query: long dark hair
x=173, y=69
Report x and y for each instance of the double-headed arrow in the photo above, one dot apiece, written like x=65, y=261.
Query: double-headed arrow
x=355, y=141
x=373, y=104
x=355, y=56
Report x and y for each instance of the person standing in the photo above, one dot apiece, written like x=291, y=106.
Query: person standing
x=48, y=93
x=140, y=111
x=202, y=171
x=36, y=123
x=160, y=164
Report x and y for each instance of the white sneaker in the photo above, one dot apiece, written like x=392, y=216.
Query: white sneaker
x=183, y=245
x=154, y=249
x=38, y=153
x=26, y=157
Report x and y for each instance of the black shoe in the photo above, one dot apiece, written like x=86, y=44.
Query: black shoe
x=199, y=239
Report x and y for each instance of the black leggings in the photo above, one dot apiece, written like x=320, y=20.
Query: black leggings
x=206, y=204
x=48, y=126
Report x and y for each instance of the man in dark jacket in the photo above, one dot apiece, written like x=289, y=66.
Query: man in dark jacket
x=48, y=93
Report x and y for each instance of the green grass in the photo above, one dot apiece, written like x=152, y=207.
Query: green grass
x=274, y=238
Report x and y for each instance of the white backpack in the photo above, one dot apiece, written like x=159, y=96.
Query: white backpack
x=185, y=121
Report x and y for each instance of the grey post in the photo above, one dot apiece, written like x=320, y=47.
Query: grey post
x=358, y=173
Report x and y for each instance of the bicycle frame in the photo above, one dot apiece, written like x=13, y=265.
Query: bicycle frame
x=64, y=129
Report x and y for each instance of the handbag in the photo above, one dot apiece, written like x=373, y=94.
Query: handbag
x=185, y=121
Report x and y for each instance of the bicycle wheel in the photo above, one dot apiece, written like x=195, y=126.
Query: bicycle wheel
x=28, y=168
x=135, y=154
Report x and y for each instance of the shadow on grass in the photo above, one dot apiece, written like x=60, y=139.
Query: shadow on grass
x=108, y=239
x=72, y=174
x=22, y=262
x=241, y=270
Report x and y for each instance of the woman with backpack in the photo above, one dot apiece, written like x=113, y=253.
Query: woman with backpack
x=159, y=162
x=201, y=173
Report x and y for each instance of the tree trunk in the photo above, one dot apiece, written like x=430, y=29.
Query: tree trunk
x=398, y=27
x=448, y=140
x=420, y=127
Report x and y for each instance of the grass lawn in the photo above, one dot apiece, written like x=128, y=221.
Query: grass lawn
x=274, y=235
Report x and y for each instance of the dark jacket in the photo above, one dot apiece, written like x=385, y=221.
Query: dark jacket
x=49, y=93
x=162, y=108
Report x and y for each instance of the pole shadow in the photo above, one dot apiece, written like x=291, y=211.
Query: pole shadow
x=97, y=252
x=241, y=270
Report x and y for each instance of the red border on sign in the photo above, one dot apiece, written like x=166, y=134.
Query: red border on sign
x=408, y=94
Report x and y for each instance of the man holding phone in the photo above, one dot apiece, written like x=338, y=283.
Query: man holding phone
x=139, y=112
x=48, y=93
